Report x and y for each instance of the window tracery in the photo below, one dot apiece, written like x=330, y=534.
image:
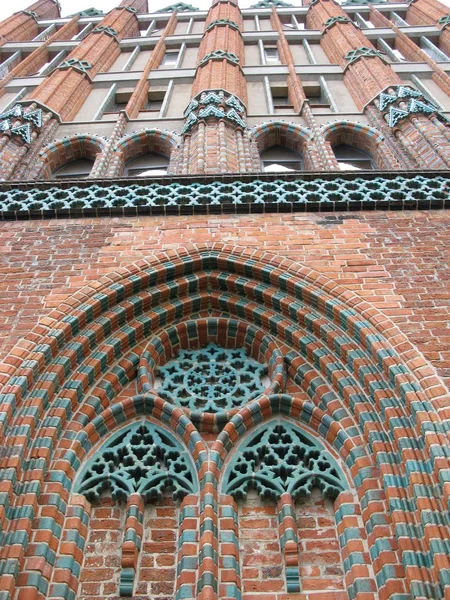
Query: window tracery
x=137, y=465
x=212, y=379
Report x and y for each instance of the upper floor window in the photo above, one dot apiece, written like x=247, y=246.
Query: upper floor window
x=271, y=54
x=280, y=99
x=78, y=169
x=279, y=159
x=353, y=159
x=170, y=59
x=148, y=165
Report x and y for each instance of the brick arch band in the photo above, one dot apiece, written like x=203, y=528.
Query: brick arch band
x=357, y=381
x=143, y=142
x=288, y=135
x=67, y=150
x=360, y=136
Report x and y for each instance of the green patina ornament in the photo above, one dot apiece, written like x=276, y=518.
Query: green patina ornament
x=142, y=459
x=179, y=7
x=280, y=458
x=212, y=379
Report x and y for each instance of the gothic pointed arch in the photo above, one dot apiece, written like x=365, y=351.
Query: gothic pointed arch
x=358, y=380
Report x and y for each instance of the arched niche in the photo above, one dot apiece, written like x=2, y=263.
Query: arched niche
x=133, y=493
x=71, y=157
x=281, y=482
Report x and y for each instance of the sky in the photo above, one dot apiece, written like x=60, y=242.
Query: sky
x=72, y=6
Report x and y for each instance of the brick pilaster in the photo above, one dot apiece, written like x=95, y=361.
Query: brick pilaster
x=23, y=25
x=425, y=12
x=39, y=57
x=66, y=89
x=322, y=148
x=411, y=51
x=222, y=74
x=213, y=135
x=365, y=75
x=431, y=12
x=139, y=96
x=105, y=165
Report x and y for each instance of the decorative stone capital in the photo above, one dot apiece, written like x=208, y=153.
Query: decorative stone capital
x=108, y=30
x=444, y=21
x=363, y=52
x=179, y=7
x=220, y=55
x=218, y=104
x=31, y=13
x=83, y=66
x=402, y=101
x=270, y=3
x=29, y=121
x=333, y=20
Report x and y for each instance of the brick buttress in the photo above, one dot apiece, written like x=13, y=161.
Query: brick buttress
x=414, y=132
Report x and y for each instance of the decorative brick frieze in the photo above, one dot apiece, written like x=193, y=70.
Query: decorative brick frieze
x=260, y=195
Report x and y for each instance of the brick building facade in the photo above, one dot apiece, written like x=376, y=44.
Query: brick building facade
x=225, y=301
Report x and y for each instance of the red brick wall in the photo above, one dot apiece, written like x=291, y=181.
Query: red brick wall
x=100, y=571
x=321, y=568
x=395, y=260
x=261, y=558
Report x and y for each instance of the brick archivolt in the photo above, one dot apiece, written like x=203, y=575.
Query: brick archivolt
x=361, y=386
x=67, y=150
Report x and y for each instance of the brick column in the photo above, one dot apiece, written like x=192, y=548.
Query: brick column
x=321, y=153
x=39, y=57
x=215, y=117
x=373, y=83
x=366, y=73
x=67, y=88
x=132, y=541
x=432, y=12
x=411, y=51
x=425, y=12
x=23, y=25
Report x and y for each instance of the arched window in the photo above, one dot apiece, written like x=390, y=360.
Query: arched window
x=278, y=159
x=353, y=159
x=78, y=169
x=148, y=165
